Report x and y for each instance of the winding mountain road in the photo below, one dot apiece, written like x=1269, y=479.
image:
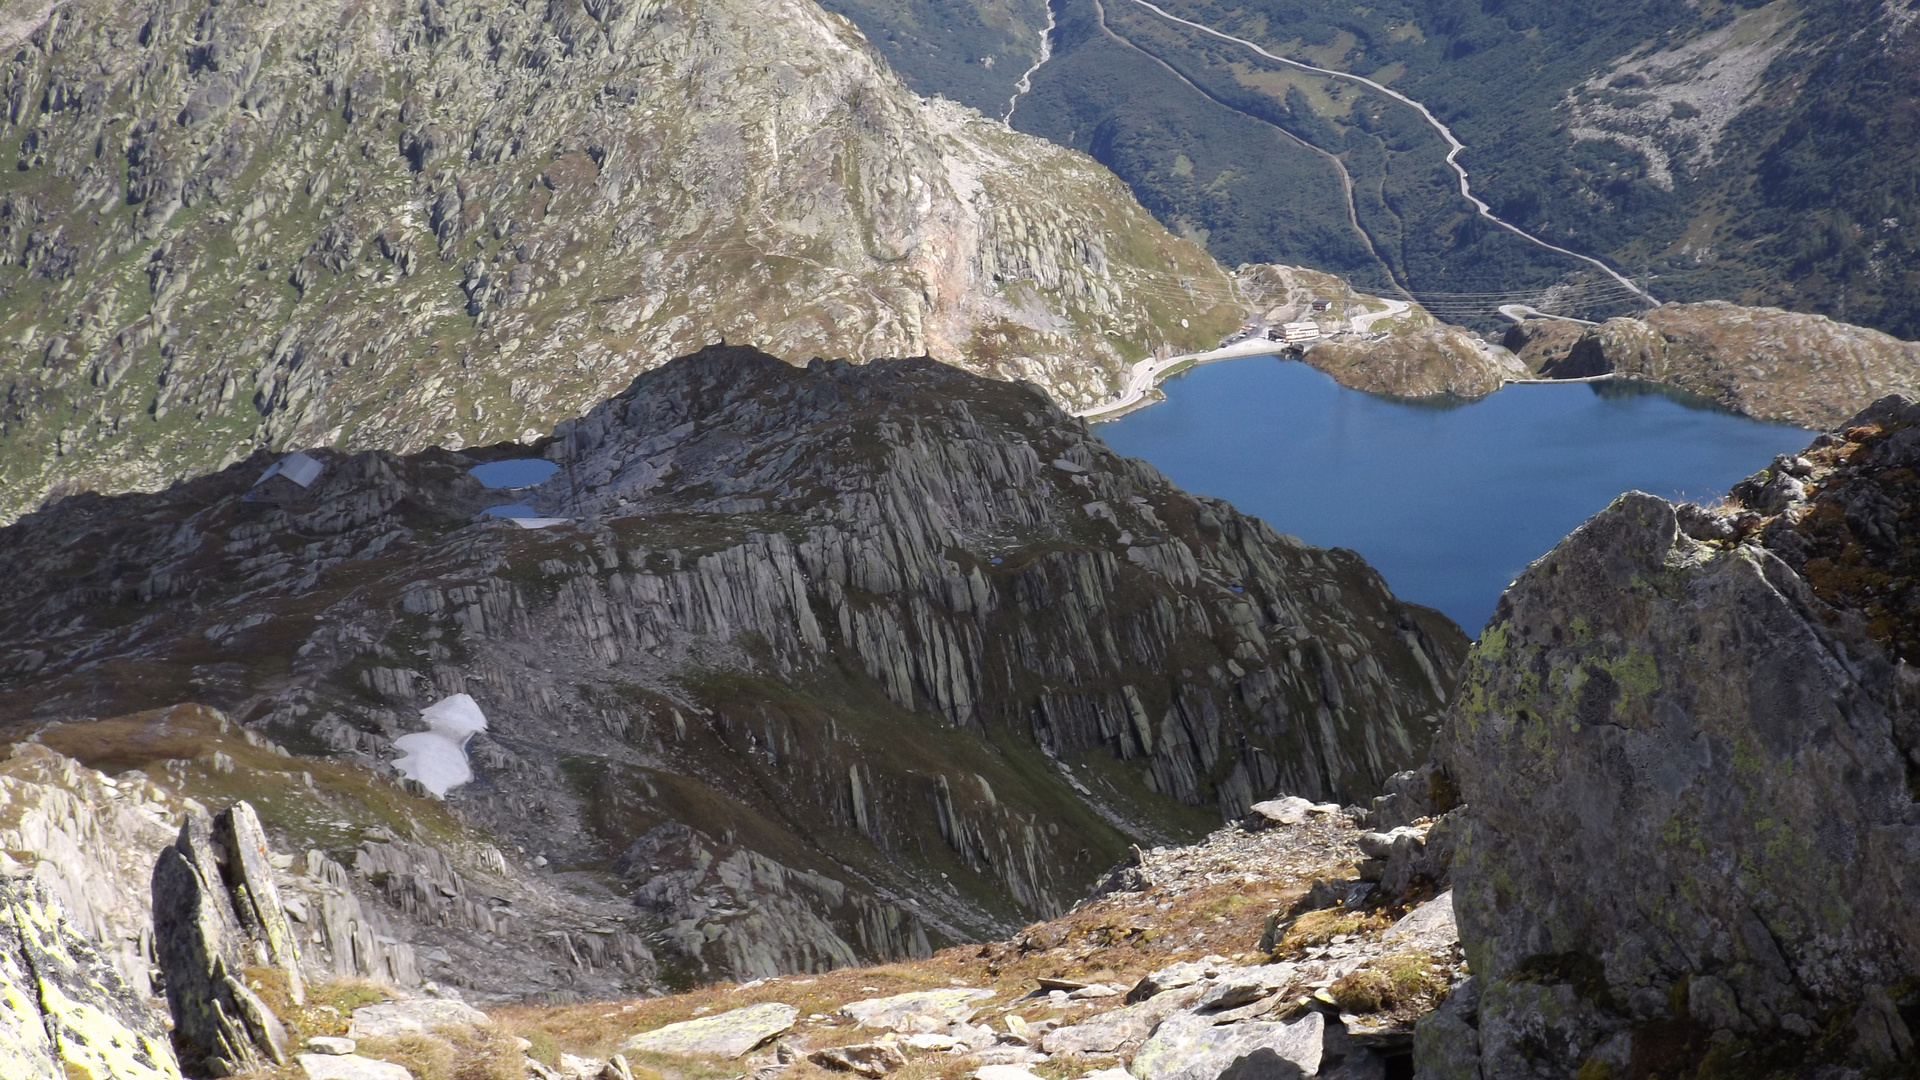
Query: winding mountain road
x=1364, y=323
x=1339, y=166
x=1455, y=146
x=1142, y=376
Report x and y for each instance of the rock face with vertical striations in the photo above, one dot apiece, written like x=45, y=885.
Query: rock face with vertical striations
x=221, y=1026
x=256, y=898
x=90, y=839
x=394, y=224
x=1688, y=748
x=850, y=661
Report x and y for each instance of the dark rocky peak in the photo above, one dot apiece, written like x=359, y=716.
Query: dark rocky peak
x=910, y=655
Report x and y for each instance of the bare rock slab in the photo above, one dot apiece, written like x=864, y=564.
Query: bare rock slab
x=418, y=1016
x=350, y=1067
x=1429, y=927
x=730, y=1034
x=1117, y=1030
x=1292, y=810
x=1190, y=1047
x=922, y=1010
x=861, y=1059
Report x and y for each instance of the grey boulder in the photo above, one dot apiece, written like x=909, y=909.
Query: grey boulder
x=730, y=1034
x=350, y=1067
x=1190, y=1047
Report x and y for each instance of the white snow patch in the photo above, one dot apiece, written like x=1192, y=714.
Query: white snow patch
x=437, y=757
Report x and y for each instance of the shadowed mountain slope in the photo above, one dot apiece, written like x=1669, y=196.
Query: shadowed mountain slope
x=906, y=643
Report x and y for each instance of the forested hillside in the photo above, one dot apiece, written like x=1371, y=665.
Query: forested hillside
x=1762, y=153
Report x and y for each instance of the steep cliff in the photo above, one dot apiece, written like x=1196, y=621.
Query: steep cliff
x=845, y=661
x=1768, y=363
x=1687, y=745
x=395, y=224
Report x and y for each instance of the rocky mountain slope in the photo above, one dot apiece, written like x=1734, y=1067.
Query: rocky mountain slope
x=813, y=665
x=1687, y=749
x=1236, y=953
x=1765, y=362
x=395, y=225
x=64, y=1011
x=1290, y=940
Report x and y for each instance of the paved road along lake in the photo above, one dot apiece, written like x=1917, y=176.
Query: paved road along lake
x=1448, y=500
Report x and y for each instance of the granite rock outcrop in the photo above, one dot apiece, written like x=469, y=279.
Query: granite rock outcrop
x=1686, y=744
x=221, y=1026
x=1768, y=363
x=1368, y=347
x=1432, y=361
x=65, y=1009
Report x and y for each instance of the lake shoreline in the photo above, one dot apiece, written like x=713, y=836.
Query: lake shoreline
x=1448, y=500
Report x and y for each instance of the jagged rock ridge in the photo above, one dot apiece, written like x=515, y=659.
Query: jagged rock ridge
x=770, y=576
x=399, y=224
x=65, y=1011
x=362, y=903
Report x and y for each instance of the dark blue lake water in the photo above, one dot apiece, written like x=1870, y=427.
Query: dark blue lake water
x=1451, y=501
x=514, y=472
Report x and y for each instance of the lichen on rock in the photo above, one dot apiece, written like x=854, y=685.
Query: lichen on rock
x=221, y=1026
x=65, y=1012
x=1688, y=819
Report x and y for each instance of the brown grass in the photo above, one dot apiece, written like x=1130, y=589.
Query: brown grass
x=1321, y=927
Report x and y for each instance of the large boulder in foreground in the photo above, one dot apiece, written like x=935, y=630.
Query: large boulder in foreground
x=220, y=1025
x=1691, y=839
x=65, y=1011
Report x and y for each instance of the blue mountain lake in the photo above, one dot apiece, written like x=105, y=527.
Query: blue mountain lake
x=514, y=472
x=1448, y=500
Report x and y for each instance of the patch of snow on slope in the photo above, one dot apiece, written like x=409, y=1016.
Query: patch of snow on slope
x=437, y=757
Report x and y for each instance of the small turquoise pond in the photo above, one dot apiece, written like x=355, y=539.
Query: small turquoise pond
x=1449, y=501
x=518, y=472
x=512, y=510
